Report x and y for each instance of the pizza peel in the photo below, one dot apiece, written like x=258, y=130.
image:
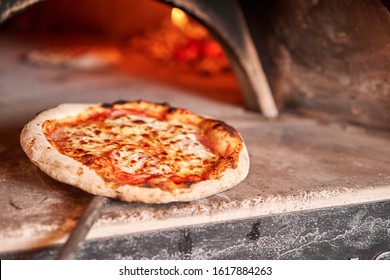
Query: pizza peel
x=78, y=234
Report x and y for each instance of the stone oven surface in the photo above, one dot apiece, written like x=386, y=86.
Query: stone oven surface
x=319, y=181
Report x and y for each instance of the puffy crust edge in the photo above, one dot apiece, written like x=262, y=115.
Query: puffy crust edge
x=70, y=171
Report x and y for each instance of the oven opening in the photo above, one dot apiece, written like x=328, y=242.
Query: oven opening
x=313, y=170
x=150, y=40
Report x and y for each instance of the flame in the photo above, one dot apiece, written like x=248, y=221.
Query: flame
x=179, y=18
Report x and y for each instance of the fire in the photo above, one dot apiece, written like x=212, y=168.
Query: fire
x=179, y=18
x=184, y=41
x=187, y=25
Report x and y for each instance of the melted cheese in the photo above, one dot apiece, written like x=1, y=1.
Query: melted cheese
x=135, y=145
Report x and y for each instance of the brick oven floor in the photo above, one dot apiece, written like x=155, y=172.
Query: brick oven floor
x=297, y=164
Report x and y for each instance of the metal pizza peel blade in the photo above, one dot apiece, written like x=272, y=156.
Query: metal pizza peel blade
x=78, y=234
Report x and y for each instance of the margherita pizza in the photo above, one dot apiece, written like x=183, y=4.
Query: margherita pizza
x=136, y=151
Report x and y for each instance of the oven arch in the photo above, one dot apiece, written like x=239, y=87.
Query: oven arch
x=229, y=28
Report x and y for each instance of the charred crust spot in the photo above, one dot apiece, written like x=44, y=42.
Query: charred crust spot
x=172, y=110
x=139, y=122
x=120, y=102
x=188, y=183
x=87, y=159
x=227, y=128
x=166, y=104
x=106, y=105
x=230, y=130
x=119, y=195
x=110, y=105
x=148, y=185
x=217, y=125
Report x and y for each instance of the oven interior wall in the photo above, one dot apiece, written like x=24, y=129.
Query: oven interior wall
x=327, y=59
x=117, y=19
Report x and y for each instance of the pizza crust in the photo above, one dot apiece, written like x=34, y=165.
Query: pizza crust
x=67, y=170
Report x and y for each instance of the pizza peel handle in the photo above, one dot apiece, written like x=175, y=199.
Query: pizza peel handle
x=82, y=228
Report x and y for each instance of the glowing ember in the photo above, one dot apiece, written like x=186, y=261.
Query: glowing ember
x=183, y=41
x=179, y=18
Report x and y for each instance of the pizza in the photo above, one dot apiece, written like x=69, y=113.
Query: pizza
x=74, y=57
x=136, y=151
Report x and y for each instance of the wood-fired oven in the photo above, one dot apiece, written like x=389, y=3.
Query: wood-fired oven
x=305, y=82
